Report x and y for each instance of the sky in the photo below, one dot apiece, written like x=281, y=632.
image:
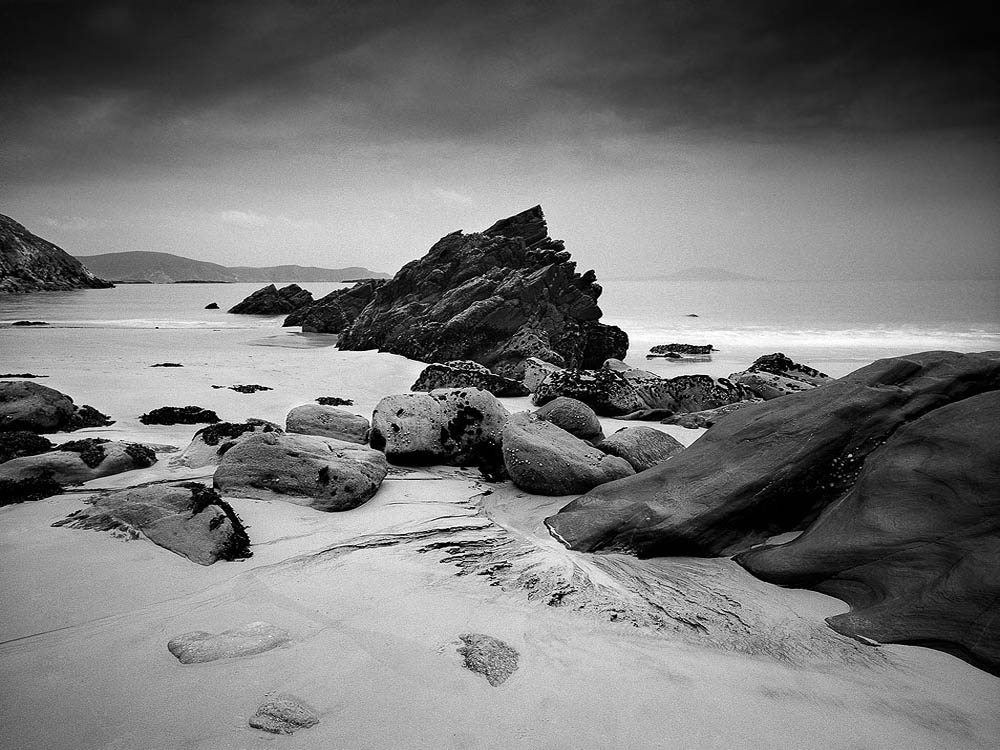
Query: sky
x=776, y=138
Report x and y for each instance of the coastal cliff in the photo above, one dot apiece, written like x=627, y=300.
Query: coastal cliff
x=30, y=264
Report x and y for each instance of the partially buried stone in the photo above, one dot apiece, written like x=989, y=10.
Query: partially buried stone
x=246, y=640
x=488, y=656
x=283, y=715
x=168, y=415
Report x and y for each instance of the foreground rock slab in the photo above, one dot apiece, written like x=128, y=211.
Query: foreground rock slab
x=322, y=473
x=253, y=638
x=546, y=460
x=283, y=715
x=914, y=547
x=488, y=656
x=189, y=519
x=770, y=467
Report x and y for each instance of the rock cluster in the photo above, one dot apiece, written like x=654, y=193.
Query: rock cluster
x=337, y=310
x=678, y=350
x=29, y=264
x=466, y=374
x=497, y=298
x=775, y=375
x=190, y=520
x=273, y=301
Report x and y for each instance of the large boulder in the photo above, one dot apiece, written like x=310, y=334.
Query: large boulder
x=210, y=444
x=574, y=416
x=497, y=298
x=323, y=473
x=544, y=459
x=29, y=264
x=466, y=374
x=642, y=447
x=273, y=301
x=459, y=427
x=37, y=408
x=188, y=519
x=914, y=547
x=337, y=310
x=770, y=467
x=328, y=421
x=79, y=461
x=775, y=375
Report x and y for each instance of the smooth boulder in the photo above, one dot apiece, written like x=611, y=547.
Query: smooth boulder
x=460, y=427
x=322, y=473
x=79, y=461
x=211, y=443
x=642, y=447
x=544, y=459
x=37, y=408
x=770, y=467
x=466, y=374
x=573, y=416
x=253, y=638
x=328, y=421
x=914, y=547
x=188, y=519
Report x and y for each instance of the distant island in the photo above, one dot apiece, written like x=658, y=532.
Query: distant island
x=166, y=268
x=703, y=273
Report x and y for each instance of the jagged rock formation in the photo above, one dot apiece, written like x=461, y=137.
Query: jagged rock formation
x=544, y=459
x=253, y=638
x=497, y=298
x=38, y=408
x=273, y=301
x=30, y=264
x=322, y=473
x=466, y=374
x=337, y=310
x=914, y=547
x=770, y=467
x=189, y=519
x=775, y=375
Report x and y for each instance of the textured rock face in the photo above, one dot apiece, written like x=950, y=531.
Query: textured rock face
x=488, y=656
x=536, y=372
x=169, y=415
x=283, y=715
x=30, y=264
x=770, y=467
x=337, y=310
x=38, y=408
x=775, y=375
x=188, y=519
x=21, y=443
x=460, y=427
x=323, y=473
x=253, y=638
x=642, y=447
x=328, y=421
x=466, y=374
x=496, y=298
x=546, y=460
x=210, y=444
x=78, y=464
x=699, y=349
x=273, y=301
x=914, y=547
x=707, y=417
x=574, y=416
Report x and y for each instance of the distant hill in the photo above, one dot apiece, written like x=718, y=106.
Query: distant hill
x=30, y=264
x=166, y=268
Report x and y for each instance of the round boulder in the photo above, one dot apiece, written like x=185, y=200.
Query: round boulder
x=573, y=416
x=33, y=407
x=210, y=443
x=328, y=421
x=323, y=473
x=546, y=460
x=642, y=447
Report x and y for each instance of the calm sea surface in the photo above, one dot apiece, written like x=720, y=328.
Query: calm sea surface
x=839, y=325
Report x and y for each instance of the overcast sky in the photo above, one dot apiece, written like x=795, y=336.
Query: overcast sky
x=778, y=138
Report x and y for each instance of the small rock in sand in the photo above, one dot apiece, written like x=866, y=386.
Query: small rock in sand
x=283, y=715
x=489, y=656
x=253, y=638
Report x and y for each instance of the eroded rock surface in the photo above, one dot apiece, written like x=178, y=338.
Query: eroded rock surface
x=497, y=298
x=488, y=656
x=283, y=714
x=188, y=519
x=337, y=310
x=775, y=375
x=466, y=374
x=273, y=301
x=770, y=467
x=253, y=638
x=914, y=547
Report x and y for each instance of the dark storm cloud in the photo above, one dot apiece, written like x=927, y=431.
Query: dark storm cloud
x=155, y=80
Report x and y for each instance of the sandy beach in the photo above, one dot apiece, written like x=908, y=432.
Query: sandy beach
x=375, y=600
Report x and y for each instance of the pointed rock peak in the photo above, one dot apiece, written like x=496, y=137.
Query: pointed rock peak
x=528, y=225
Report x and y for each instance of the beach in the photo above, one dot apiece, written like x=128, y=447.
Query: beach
x=375, y=600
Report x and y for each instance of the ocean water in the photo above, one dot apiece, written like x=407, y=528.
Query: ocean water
x=833, y=326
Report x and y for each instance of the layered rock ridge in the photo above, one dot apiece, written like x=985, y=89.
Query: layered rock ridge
x=496, y=298
x=30, y=264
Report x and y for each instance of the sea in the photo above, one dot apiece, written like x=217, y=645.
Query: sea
x=834, y=326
